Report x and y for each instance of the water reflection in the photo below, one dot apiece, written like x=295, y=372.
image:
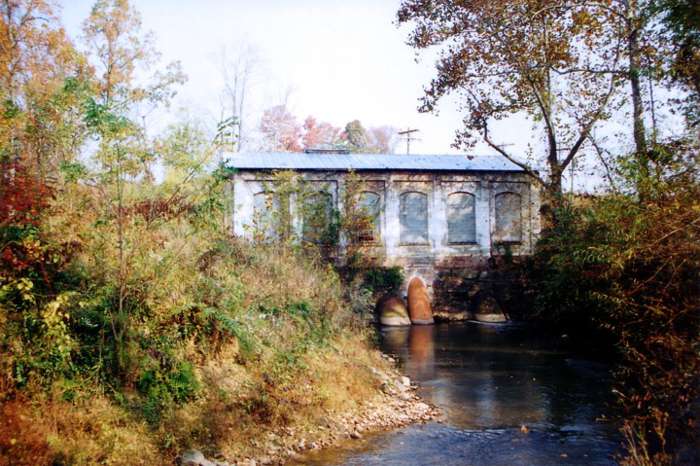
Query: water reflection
x=415, y=346
x=490, y=380
x=491, y=376
x=394, y=339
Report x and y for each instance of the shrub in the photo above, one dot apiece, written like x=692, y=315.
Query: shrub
x=162, y=388
x=382, y=280
x=631, y=270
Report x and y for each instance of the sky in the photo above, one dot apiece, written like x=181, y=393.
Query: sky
x=336, y=60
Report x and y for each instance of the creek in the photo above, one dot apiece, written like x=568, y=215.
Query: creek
x=509, y=397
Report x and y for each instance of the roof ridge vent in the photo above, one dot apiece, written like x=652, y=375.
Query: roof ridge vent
x=326, y=150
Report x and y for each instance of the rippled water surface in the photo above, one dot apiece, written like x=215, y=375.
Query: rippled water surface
x=490, y=381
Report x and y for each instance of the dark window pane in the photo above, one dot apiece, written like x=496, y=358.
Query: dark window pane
x=461, y=220
x=413, y=217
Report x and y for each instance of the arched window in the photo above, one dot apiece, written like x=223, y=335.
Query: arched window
x=508, y=218
x=413, y=218
x=461, y=219
x=317, y=218
x=369, y=203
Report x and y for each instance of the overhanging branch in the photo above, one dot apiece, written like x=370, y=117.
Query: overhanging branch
x=526, y=168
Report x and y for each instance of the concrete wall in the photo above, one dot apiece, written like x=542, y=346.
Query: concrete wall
x=424, y=260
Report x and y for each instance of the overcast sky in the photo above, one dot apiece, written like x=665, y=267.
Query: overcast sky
x=340, y=60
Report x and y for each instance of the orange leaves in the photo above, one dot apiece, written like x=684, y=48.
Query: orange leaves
x=36, y=57
x=318, y=134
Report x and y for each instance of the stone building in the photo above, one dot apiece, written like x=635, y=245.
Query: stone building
x=436, y=216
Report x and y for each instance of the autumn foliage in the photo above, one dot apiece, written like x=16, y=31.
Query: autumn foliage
x=132, y=325
x=282, y=132
x=22, y=439
x=626, y=274
x=23, y=201
x=621, y=268
x=22, y=197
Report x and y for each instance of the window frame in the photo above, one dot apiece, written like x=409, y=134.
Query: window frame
x=473, y=225
x=402, y=196
x=330, y=205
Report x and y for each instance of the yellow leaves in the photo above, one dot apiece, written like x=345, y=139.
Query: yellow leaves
x=25, y=286
x=32, y=248
x=114, y=32
x=55, y=317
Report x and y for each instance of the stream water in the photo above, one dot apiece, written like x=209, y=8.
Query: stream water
x=508, y=396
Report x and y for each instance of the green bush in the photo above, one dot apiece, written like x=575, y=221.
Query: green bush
x=163, y=387
x=382, y=280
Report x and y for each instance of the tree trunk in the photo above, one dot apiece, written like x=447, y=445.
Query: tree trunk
x=552, y=201
x=641, y=150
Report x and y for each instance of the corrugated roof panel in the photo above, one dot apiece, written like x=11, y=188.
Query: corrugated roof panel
x=359, y=162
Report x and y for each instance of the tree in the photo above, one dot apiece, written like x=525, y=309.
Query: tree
x=281, y=130
x=681, y=21
x=355, y=135
x=543, y=59
x=319, y=134
x=40, y=76
x=382, y=139
x=658, y=41
x=124, y=153
x=631, y=24
x=114, y=37
x=238, y=71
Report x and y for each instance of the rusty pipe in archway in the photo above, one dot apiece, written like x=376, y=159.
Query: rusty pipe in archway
x=419, y=308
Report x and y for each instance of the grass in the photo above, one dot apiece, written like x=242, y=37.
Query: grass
x=234, y=344
x=238, y=406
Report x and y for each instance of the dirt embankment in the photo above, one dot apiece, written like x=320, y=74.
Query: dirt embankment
x=394, y=406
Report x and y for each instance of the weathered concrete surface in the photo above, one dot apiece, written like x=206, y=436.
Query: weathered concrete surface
x=443, y=227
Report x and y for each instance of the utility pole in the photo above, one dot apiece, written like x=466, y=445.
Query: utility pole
x=407, y=133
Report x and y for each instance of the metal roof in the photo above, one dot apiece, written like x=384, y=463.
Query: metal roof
x=360, y=162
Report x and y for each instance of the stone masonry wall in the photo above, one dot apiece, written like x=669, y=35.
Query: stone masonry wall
x=467, y=215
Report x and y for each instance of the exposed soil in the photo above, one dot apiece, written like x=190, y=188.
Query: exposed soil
x=395, y=406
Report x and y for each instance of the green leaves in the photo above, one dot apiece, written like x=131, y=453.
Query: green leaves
x=73, y=171
x=10, y=109
x=103, y=120
x=226, y=133
x=164, y=386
